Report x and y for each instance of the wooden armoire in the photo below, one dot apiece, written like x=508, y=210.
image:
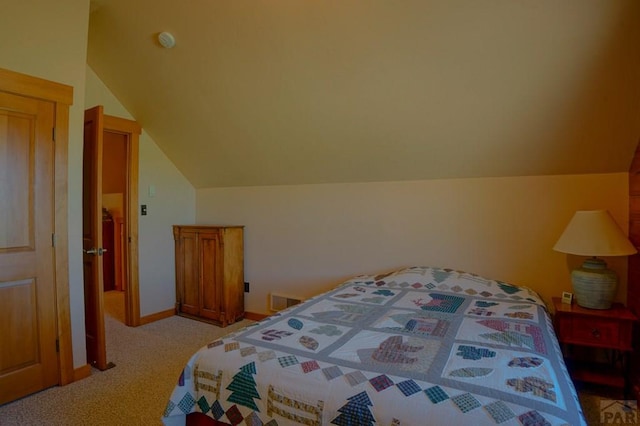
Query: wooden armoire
x=633, y=274
x=210, y=272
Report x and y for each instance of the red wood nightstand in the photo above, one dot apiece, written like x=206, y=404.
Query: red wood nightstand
x=610, y=329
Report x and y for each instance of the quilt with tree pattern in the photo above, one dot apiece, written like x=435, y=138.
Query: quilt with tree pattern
x=417, y=346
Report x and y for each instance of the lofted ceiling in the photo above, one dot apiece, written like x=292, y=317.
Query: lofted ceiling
x=272, y=92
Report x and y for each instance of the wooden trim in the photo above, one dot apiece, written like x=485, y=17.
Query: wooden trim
x=62, y=245
x=81, y=372
x=26, y=85
x=157, y=316
x=132, y=231
x=254, y=316
x=633, y=267
x=122, y=125
x=62, y=96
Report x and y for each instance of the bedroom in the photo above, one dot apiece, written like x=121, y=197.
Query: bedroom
x=497, y=223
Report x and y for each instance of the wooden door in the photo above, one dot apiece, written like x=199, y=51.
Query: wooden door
x=120, y=281
x=211, y=279
x=108, y=258
x=92, y=238
x=28, y=335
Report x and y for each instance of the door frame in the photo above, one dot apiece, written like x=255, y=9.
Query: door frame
x=131, y=130
x=61, y=96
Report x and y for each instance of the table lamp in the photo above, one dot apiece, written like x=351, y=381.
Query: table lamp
x=594, y=233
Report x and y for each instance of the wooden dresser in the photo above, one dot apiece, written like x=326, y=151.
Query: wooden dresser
x=210, y=273
x=633, y=273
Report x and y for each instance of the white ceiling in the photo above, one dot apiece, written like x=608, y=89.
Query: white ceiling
x=270, y=92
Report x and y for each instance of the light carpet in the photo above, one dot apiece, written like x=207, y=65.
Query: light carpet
x=148, y=361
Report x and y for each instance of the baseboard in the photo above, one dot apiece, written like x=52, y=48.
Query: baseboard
x=157, y=316
x=171, y=312
x=254, y=316
x=81, y=372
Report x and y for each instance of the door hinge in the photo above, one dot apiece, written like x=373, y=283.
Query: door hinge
x=53, y=240
x=53, y=134
x=58, y=345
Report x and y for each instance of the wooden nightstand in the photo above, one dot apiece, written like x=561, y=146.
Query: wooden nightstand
x=609, y=329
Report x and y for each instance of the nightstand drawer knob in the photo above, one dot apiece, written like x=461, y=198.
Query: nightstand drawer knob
x=595, y=333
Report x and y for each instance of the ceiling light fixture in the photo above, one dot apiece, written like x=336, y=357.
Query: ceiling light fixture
x=166, y=40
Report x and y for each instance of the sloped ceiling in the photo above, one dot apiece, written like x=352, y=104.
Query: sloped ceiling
x=269, y=92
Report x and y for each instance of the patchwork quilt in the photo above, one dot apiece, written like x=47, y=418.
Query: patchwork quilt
x=418, y=346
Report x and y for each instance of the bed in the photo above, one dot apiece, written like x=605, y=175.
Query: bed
x=416, y=346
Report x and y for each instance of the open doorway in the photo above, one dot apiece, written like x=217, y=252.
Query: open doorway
x=114, y=191
x=110, y=225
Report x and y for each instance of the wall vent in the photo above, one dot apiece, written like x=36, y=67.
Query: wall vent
x=278, y=302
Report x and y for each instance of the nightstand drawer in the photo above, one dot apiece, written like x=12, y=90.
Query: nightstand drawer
x=589, y=331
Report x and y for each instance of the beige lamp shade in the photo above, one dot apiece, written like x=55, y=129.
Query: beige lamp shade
x=594, y=233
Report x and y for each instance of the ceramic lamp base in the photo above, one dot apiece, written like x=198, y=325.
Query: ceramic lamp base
x=594, y=285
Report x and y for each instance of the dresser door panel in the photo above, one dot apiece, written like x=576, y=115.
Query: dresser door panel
x=211, y=275
x=190, y=285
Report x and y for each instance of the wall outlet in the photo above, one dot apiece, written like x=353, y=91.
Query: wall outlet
x=246, y=287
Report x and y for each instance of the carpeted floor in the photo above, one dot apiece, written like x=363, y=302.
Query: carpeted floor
x=114, y=305
x=148, y=361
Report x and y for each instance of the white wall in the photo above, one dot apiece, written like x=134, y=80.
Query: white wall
x=48, y=39
x=174, y=203
x=304, y=239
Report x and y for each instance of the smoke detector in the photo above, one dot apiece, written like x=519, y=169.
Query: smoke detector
x=166, y=39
